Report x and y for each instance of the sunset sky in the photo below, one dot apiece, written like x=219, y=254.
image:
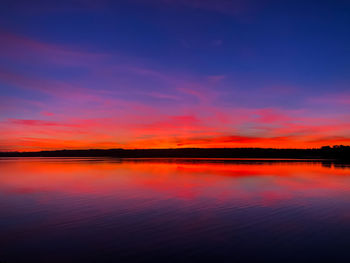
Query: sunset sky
x=174, y=73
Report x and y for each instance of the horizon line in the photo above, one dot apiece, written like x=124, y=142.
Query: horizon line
x=180, y=148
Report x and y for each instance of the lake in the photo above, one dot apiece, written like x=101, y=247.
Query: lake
x=173, y=210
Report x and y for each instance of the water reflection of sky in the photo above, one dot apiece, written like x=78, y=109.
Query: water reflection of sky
x=172, y=205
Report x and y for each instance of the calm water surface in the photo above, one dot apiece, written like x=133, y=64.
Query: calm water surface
x=110, y=210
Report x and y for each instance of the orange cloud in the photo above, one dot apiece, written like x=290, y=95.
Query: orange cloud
x=181, y=112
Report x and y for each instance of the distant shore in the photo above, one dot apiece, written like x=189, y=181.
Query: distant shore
x=326, y=152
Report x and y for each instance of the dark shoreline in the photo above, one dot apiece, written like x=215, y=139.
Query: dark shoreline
x=325, y=153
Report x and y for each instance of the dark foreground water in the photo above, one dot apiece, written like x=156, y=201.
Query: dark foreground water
x=108, y=210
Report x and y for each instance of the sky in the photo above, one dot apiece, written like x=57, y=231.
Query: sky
x=174, y=73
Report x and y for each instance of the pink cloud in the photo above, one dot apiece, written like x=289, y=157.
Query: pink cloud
x=47, y=113
x=23, y=48
x=332, y=99
x=73, y=115
x=269, y=115
x=40, y=123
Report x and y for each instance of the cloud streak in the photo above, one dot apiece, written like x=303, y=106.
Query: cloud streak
x=127, y=104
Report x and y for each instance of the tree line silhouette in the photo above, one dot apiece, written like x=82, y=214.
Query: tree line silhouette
x=325, y=152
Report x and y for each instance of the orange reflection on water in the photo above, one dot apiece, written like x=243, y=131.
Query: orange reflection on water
x=263, y=183
x=97, y=207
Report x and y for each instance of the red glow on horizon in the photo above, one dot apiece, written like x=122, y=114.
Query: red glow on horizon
x=182, y=112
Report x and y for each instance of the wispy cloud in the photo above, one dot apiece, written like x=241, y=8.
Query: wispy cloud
x=127, y=104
